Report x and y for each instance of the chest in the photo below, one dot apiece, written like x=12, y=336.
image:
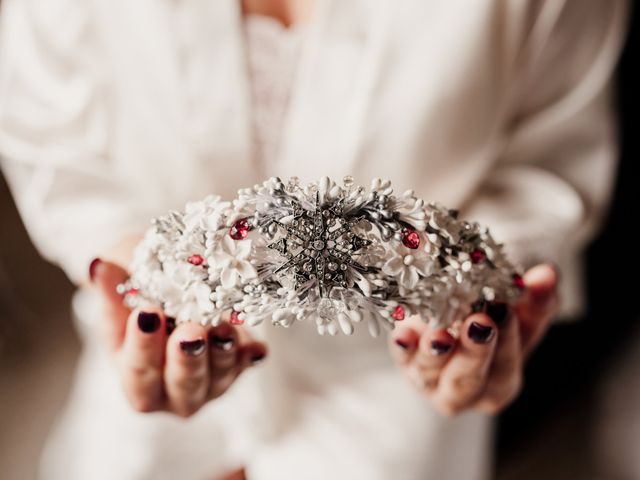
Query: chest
x=406, y=90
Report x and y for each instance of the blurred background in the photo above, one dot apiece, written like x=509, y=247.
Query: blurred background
x=578, y=417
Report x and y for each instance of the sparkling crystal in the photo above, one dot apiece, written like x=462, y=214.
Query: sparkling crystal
x=326, y=309
x=347, y=181
x=333, y=266
x=398, y=313
x=410, y=238
x=196, y=260
x=478, y=256
x=234, y=318
x=318, y=244
x=518, y=281
x=240, y=229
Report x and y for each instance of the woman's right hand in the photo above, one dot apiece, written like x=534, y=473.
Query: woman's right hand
x=163, y=368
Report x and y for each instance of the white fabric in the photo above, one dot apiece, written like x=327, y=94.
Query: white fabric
x=113, y=111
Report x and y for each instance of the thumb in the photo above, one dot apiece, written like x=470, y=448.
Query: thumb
x=105, y=278
x=538, y=304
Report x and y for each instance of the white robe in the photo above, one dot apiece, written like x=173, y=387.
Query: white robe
x=113, y=111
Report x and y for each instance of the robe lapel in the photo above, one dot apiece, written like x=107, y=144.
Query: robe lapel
x=336, y=75
x=217, y=101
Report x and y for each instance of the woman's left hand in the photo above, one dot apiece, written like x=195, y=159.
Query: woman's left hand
x=482, y=369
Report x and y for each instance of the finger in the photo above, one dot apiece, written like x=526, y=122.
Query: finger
x=232, y=351
x=404, y=339
x=505, y=375
x=141, y=359
x=105, y=277
x=223, y=342
x=186, y=373
x=463, y=378
x=250, y=351
x=434, y=350
x=538, y=305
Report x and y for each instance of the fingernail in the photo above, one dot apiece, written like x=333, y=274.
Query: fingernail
x=403, y=344
x=193, y=347
x=257, y=358
x=480, y=333
x=223, y=343
x=171, y=325
x=93, y=267
x=148, y=322
x=499, y=312
x=439, y=348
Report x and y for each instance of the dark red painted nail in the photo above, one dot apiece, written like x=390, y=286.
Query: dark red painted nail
x=171, y=325
x=93, y=267
x=193, y=347
x=440, y=348
x=223, y=343
x=480, y=333
x=148, y=322
x=499, y=312
x=403, y=344
x=257, y=358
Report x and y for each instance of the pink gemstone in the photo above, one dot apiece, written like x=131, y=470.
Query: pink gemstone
x=132, y=291
x=478, y=256
x=518, y=281
x=240, y=229
x=234, y=319
x=398, y=313
x=195, y=260
x=410, y=238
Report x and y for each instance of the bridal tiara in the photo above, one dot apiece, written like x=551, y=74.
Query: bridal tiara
x=332, y=254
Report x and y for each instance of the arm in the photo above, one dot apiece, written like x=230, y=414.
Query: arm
x=543, y=198
x=549, y=189
x=54, y=136
x=77, y=202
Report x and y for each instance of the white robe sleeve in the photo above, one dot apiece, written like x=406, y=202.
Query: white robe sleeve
x=54, y=134
x=549, y=189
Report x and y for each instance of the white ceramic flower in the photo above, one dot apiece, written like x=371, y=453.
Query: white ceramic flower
x=411, y=209
x=407, y=267
x=208, y=214
x=230, y=258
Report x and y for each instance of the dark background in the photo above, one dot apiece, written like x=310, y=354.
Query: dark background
x=551, y=432
x=565, y=372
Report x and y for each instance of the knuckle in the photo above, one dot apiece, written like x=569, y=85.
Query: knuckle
x=187, y=411
x=492, y=407
x=141, y=376
x=468, y=384
x=447, y=409
x=143, y=404
x=189, y=383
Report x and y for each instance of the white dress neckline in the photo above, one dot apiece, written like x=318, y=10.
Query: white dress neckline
x=272, y=55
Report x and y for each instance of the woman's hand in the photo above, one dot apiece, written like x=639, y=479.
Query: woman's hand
x=164, y=367
x=482, y=370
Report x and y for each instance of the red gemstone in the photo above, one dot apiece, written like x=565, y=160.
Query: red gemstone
x=410, y=238
x=240, y=229
x=132, y=291
x=518, y=281
x=196, y=260
x=234, y=319
x=478, y=256
x=398, y=313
